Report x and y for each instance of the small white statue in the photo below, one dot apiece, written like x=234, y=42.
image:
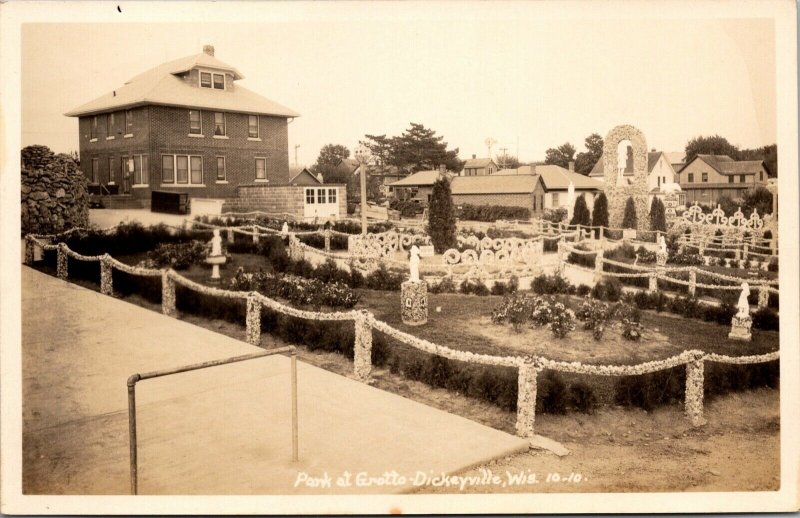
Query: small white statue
x=285, y=229
x=743, y=305
x=662, y=243
x=414, y=263
x=216, y=244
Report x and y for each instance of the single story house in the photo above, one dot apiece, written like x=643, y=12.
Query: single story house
x=555, y=182
x=706, y=178
x=418, y=186
x=517, y=190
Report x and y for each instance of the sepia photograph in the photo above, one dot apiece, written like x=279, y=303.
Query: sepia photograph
x=399, y=258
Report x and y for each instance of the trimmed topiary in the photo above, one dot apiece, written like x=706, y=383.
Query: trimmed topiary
x=629, y=220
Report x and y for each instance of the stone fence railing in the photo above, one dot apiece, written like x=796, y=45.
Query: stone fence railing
x=528, y=367
x=661, y=273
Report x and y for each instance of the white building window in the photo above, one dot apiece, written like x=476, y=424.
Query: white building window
x=219, y=124
x=321, y=196
x=205, y=79
x=195, y=123
x=221, y=174
x=252, y=126
x=182, y=169
x=310, y=196
x=331, y=195
x=555, y=200
x=141, y=169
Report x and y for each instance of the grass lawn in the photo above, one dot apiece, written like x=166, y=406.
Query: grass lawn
x=464, y=323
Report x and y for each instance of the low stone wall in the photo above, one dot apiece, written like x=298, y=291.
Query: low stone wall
x=54, y=193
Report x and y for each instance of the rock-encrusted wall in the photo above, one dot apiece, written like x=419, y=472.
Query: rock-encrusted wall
x=54, y=192
x=618, y=193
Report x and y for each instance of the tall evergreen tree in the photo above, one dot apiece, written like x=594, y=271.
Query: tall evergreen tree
x=600, y=211
x=580, y=214
x=629, y=219
x=442, y=217
x=658, y=216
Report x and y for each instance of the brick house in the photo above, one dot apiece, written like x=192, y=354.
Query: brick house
x=184, y=126
x=706, y=178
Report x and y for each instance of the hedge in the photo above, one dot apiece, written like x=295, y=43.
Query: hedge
x=492, y=213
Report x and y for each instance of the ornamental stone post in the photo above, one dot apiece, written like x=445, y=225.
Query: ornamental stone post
x=255, y=234
x=230, y=236
x=167, y=293
x=746, y=251
x=28, y=250
x=62, y=264
x=692, y=282
x=106, y=277
x=253, y=320
x=598, y=266
x=327, y=240
x=763, y=296
x=362, y=349
x=652, y=284
x=694, y=390
x=526, y=398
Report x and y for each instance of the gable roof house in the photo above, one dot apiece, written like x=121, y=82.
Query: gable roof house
x=478, y=167
x=184, y=126
x=706, y=178
x=659, y=171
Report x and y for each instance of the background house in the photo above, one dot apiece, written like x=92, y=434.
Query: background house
x=518, y=190
x=706, y=178
x=418, y=186
x=660, y=175
x=555, y=182
x=479, y=167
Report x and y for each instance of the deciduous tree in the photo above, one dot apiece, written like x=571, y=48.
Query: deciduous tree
x=562, y=155
x=713, y=145
x=586, y=160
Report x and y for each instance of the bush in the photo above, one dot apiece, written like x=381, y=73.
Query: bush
x=555, y=215
x=600, y=211
x=178, y=256
x=580, y=213
x=585, y=260
x=645, y=256
x=492, y=212
x=608, y=289
x=446, y=285
x=384, y=280
x=561, y=320
x=658, y=219
x=582, y=398
x=648, y=391
x=301, y=291
x=552, y=394
x=503, y=288
x=629, y=219
x=595, y=316
x=766, y=319
x=583, y=290
x=473, y=287
x=441, y=217
x=551, y=284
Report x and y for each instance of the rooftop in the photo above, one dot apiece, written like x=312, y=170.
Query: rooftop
x=477, y=162
x=724, y=164
x=555, y=177
x=504, y=184
x=163, y=85
x=418, y=179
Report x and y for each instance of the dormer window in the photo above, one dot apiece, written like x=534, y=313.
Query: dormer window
x=211, y=80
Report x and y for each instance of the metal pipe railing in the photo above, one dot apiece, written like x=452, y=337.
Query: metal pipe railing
x=133, y=379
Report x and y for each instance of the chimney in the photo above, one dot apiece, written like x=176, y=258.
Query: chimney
x=571, y=166
x=473, y=156
x=319, y=177
x=208, y=49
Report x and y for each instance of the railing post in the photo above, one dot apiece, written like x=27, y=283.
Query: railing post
x=28, y=250
x=106, y=277
x=253, y=320
x=598, y=266
x=134, y=462
x=652, y=284
x=255, y=234
x=692, y=282
x=62, y=264
x=230, y=235
x=694, y=390
x=763, y=296
x=167, y=293
x=526, y=397
x=327, y=240
x=560, y=255
x=362, y=350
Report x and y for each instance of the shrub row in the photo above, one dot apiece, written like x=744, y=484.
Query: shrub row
x=492, y=213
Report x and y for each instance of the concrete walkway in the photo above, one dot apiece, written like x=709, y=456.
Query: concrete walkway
x=224, y=430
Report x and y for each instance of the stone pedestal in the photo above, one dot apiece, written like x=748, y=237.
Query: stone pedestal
x=661, y=258
x=215, y=261
x=414, y=303
x=740, y=328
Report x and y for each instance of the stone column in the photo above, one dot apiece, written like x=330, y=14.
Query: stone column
x=694, y=391
x=362, y=349
x=106, y=277
x=414, y=303
x=253, y=320
x=598, y=266
x=167, y=293
x=526, y=398
x=62, y=262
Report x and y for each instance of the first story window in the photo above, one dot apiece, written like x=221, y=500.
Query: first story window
x=112, y=170
x=555, y=200
x=261, y=168
x=182, y=169
x=703, y=193
x=321, y=196
x=95, y=170
x=331, y=195
x=310, y=196
x=742, y=178
x=221, y=175
x=731, y=179
x=141, y=169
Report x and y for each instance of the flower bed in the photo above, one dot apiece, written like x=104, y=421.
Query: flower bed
x=304, y=292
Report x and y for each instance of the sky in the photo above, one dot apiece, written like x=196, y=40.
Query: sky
x=529, y=83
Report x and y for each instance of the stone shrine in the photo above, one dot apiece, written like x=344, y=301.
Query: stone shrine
x=621, y=184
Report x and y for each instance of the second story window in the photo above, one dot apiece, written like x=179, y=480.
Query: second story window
x=205, y=79
x=219, y=124
x=252, y=126
x=211, y=80
x=195, y=124
x=221, y=175
x=110, y=125
x=742, y=179
x=690, y=179
x=731, y=179
x=129, y=122
x=219, y=82
x=705, y=177
x=93, y=131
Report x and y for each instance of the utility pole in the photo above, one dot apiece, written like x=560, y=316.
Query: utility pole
x=295, y=154
x=504, y=155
